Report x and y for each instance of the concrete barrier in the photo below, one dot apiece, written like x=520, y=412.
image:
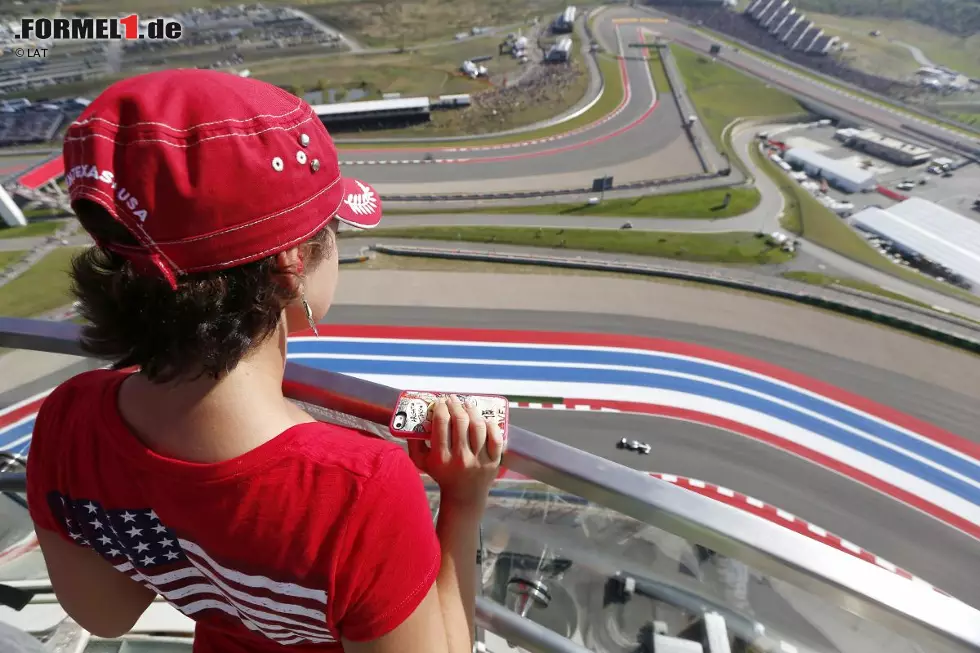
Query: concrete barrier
x=684, y=106
x=965, y=337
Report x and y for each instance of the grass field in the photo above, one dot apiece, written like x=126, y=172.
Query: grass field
x=722, y=94
x=740, y=248
x=429, y=71
x=877, y=55
x=31, y=230
x=492, y=114
x=6, y=258
x=694, y=204
x=611, y=98
x=374, y=23
x=42, y=288
x=962, y=54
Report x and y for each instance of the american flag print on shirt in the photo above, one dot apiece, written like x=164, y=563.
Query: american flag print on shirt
x=136, y=543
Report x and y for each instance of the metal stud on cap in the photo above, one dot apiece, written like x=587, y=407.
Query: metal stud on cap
x=304, y=140
x=301, y=157
x=315, y=165
x=277, y=164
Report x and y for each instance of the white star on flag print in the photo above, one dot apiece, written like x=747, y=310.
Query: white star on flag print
x=136, y=543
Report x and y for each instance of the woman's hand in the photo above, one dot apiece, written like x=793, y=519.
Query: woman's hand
x=462, y=455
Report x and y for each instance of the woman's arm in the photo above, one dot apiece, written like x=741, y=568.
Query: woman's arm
x=103, y=601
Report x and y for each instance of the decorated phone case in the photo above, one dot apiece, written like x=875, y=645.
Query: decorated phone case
x=412, y=417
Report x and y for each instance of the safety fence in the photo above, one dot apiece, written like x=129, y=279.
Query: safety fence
x=962, y=337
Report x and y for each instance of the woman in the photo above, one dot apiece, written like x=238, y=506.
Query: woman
x=211, y=199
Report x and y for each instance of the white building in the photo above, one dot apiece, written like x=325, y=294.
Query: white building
x=932, y=231
x=839, y=174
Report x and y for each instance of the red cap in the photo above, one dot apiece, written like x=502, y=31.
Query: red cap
x=210, y=170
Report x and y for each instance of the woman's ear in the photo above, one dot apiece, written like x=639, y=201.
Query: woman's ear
x=289, y=269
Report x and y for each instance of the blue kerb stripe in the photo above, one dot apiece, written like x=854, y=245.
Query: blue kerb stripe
x=652, y=379
x=816, y=404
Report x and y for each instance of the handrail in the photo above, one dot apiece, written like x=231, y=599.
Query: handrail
x=874, y=593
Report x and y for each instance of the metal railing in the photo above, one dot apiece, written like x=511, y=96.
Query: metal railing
x=907, y=609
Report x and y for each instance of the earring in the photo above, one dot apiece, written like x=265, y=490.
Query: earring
x=309, y=316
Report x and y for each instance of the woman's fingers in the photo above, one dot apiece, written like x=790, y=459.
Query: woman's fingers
x=460, y=428
x=440, y=437
x=477, y=435
x=494, y=442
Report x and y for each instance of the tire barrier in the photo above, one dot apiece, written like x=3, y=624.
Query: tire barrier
x=964, y=338
x=531, y=194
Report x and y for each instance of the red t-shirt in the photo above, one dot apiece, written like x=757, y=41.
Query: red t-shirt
x=318, y=534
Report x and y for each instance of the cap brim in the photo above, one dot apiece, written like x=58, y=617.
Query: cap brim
x=360, y=206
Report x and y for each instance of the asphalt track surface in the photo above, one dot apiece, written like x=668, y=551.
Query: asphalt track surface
x=640, y=127
x=913, y=540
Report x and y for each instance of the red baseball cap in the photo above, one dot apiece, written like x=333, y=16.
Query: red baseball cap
x=210, y=170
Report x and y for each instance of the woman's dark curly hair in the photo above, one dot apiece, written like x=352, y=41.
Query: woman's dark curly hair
x=203, y=328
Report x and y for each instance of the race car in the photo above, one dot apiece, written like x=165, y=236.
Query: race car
x=634, y=445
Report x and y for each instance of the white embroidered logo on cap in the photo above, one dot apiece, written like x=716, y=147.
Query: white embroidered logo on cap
x=363, y=203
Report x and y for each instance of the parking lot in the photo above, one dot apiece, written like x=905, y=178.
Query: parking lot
x=956, y=193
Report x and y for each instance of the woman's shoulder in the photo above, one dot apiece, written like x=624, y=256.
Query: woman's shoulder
x=342, y=448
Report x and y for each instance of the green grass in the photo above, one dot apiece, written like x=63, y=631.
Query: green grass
x=722, y=94
x=375, y=24
x=805, y=72
x=693, y=204
x=960, y=53
x=6, y=258
x=42, y=288
x=818, y=279
x=872, y=54
x=742, y=248
x=660, y=80
x=31, y=230
x=611, y=98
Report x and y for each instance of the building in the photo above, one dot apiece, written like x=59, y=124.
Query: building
x=839, y=174
x=565, y=22
x=560, y=51
x=374, y=113
x=925, y=229
x=884, y=147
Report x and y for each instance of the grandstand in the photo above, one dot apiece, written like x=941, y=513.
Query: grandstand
x=374, y=114
x=781, y=19
x=30, y=125
x=792, y=37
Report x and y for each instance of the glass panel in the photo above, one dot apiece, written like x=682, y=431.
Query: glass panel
x=613, y=584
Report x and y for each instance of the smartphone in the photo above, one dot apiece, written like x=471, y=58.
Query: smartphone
x=412, y=417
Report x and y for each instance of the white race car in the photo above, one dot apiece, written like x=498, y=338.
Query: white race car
x=634, y=445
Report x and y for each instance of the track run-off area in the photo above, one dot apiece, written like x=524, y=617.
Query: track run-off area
x=911, y=461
